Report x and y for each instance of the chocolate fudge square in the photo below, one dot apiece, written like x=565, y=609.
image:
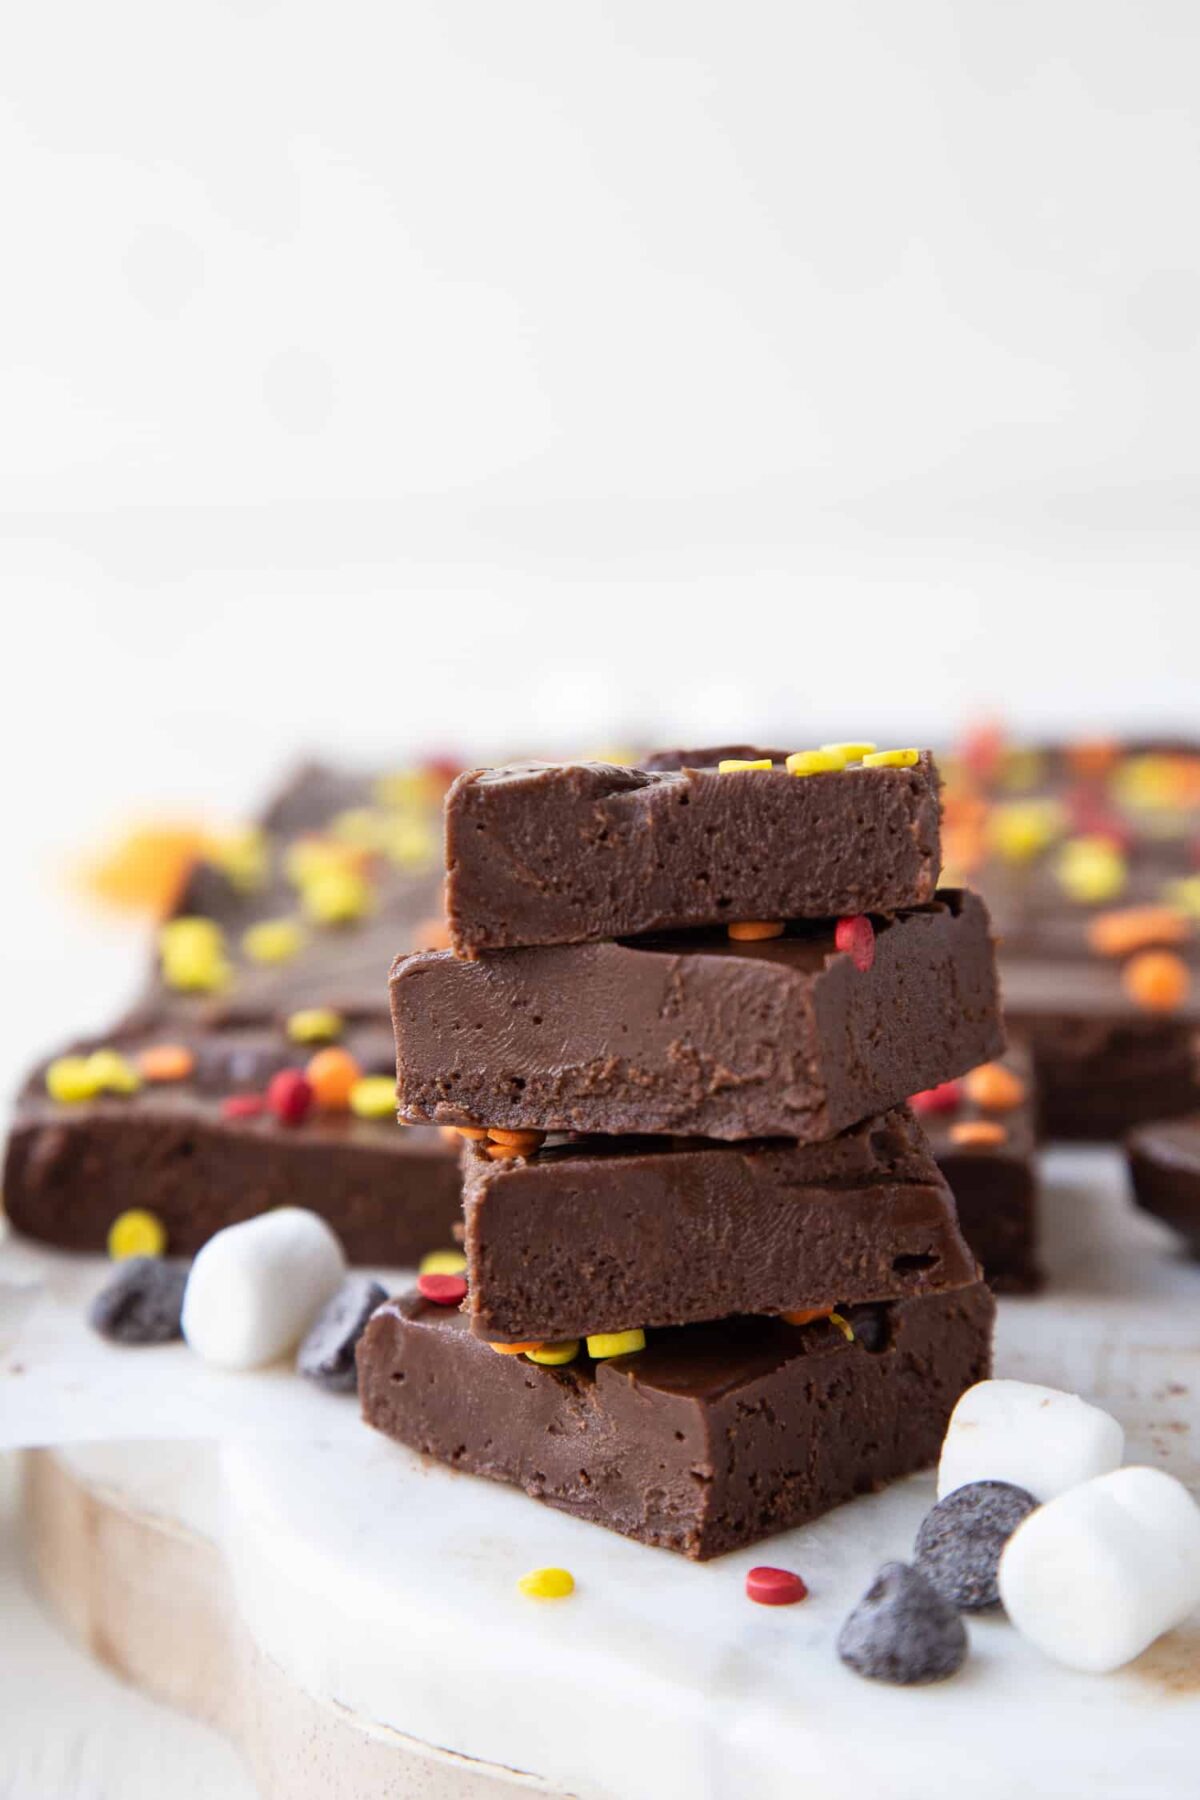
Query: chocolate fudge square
x=693, y=1033
x=710, y=1438
x=608, y=1234
x=571, y=853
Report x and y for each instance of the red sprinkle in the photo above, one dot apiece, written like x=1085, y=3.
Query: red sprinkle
x=774, y=1587
x=242, y=1106
x=856, y=935
x=943, y=1098
x=443, y=1290
x=289, y=1096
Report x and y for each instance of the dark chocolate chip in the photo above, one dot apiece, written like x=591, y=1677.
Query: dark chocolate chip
x=142, y=1303
x=960, y=1540
x=903, y=1631
x=327, y=1354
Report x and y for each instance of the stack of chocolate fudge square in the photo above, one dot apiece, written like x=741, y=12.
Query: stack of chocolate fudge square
x=715, y=1281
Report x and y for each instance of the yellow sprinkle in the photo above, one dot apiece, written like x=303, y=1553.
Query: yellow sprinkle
x=136, y=1233
x=336, y=896
x=602, y=1344
x=1091, y=869
x=193, y=954
x=365, y=826
x=314, y=1025
x=243, y=856
x=815, y=762
x=111, y=1073
x=273, y=940
x=1184, y=892
x=732, y=765
x=411, y=843
x=442, y=1262
x=374, y=1097
x=554, y=1355
x=547, y=1584
x=408, y=787
x=1022, y=829
x=69, y=1079
x=843, y=1325
x=890, y=759
x=851, y=752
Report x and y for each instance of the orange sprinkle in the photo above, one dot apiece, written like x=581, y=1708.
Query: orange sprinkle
x=520, y=1141
x=1157, y=980
x=1092, y=758
x=451, y=1133
x=806, y=1314
x=146, y=869
x=331, y=1074
x=515, y=1349
x=994, y=1087
x=166, y=1062
x=977, y=1133
x=474, y=1133
x=749, y=931
x=431, y=934
x=1132, y=928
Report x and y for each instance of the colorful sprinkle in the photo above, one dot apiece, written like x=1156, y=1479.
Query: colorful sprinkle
x=994, y=1087
x=516, y=1349
x=336, y=897
x=1091, y=870
x=942, y=1098
x=166, y=1062
x=136, y=1233
x=69, y=1080
x=856, y=936
x=521, y=1143
x=553, y=1356
x=290, y=1096
x=547, y=1584
x=755, y=931
x=774, y=1587
x=442, y=1290
x=891, y=759
x=242, y=857
x=1156, y=980
x=843, y=1325
x=374, y=1097
x=243, y=1106
x=443, y=1262
x=192, y=952
x=735, y=765
x=1133, y=928
x=273, y=940
x=431, y=934
x=977, y=1134
x=602, y=1344
x=850, y=752
x=815, y=762
x=333, y=1075
x=315, y=1025
x=807, y=1315
x=112, y=1073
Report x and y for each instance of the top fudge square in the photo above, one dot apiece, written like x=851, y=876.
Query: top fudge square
x=576, y=853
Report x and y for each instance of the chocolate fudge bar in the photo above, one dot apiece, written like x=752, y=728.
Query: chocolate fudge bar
x=693, y=1033
x=72, y=1166
x=1164, y=1164
x=571, y=853
x=609, y=1234
x=710, y=1438
x=1072, y=846
x=981, y=1131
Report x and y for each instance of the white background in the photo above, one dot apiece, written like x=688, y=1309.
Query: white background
x=430, y=373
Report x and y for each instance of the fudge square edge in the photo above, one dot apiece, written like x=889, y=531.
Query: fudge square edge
x=565, y=853
x=694, y=1034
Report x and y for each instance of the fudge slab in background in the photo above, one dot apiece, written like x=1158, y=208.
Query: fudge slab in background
x=693, y=1033
x=578, y=852
x=71, y=1167
x=1164, y=1163
x=712, y=1437
x=995, y=1183
x=606, y=1235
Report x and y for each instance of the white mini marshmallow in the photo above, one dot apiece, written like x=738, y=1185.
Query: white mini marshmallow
x=254, y=1289
x=1037, y=1438
x=1099, y=1573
